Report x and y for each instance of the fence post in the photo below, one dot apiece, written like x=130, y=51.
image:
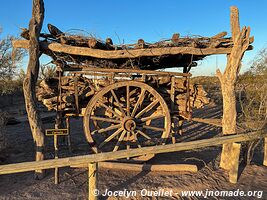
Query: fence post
x=265, y=152
x=92, y=181
x=234, y=162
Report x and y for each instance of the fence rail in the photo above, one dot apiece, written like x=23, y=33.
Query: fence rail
x=78, y=160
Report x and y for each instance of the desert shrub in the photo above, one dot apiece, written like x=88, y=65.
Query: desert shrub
x=252, y=95
x=47, y=71
x=252, y=98
x=10, y=61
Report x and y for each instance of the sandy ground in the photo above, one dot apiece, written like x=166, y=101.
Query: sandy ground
x=73, y=182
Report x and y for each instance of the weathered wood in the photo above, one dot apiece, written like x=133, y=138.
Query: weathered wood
x=77, y=160
x=54, y=31
x=234, y=162
x=92, y=180
x=30, y=80
x=97, y=44
x=214, y=122
x=229, y=77
x=129, y=53
x=225, y=162
x=265, y=152
x=144, y=167
x=234, y=21
x=175, y=37
x=219, y=35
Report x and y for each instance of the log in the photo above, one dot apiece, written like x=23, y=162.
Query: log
x=118, y=54
x=144, y=167
x=175, y=38
x=54, y=31
x=219, y=35
x=214, y=122
x=97, y=44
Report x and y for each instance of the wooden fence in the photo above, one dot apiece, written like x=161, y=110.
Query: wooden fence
x=93, y=159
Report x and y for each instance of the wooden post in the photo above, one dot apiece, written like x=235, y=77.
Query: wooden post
x=234, y=162
x=30, y=80
x=56, y=157
x=68, y=127
x=92, y=181
x=228, y=80
x=265, y=152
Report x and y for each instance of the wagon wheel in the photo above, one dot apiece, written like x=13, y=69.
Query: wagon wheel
x=128, y=114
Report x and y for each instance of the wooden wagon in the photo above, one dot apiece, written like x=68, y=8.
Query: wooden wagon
x=124, y=97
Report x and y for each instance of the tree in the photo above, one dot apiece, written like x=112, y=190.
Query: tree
x=30, y=80
x=10, y=61
x=228, y=81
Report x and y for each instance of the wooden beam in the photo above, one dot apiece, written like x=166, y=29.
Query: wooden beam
x=214, y=122
x=92, y=181
x=76, y=160
x=89, y=70
x=144, y=167
x=234, y=162
x=117, y=54
x=265, y=152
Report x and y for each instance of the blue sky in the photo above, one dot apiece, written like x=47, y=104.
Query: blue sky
x=152, y=20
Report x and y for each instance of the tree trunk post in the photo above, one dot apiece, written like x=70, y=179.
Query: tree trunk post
x=228, y=81
x=30, y=80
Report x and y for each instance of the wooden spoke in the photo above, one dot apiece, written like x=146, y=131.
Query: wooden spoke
x=112, y=127
x=104, y=119
x=139, y=101
x=110, y=137
x=128, y=99
x=117, y=100
x=136, y=140
x=127, y=139
x=151, y=117
x=143, y=134
x=153, y=128
x=146, y=109
x=119, y=141
x=109, y=109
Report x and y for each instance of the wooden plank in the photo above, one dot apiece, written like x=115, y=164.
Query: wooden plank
x=92, y=181
x=117, y=54
x=226, y=150
x=265, y=152
x=144, y=167
x=62, y=162
x=214, y=122
x=127, y=71
x=233, y=159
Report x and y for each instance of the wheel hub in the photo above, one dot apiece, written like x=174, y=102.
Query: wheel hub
x=129, y=124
